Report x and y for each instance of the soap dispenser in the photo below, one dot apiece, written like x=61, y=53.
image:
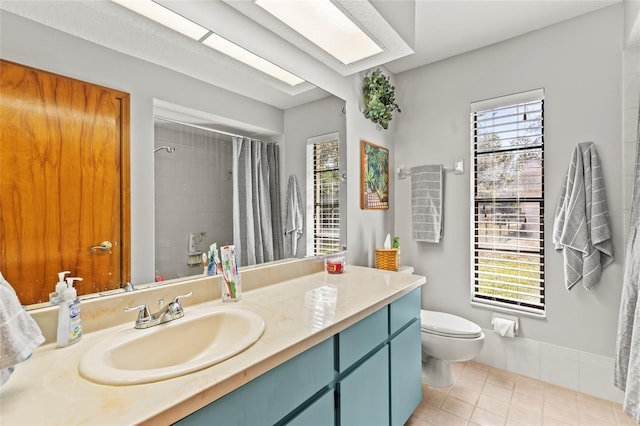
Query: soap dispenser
x=69, y=322
x=56, y=297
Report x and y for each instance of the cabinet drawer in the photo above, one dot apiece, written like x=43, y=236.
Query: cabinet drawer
x=403, y=310
x=362, y=337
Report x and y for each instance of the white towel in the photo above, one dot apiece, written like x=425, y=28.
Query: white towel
x=19, y=333
x=294, y=221
x=426, y=203
x=581, y=225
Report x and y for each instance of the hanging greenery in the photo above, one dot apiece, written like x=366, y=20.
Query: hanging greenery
x=379, y=98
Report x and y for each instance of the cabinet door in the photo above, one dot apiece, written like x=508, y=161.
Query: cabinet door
x=320, y=413
x=364, y=394
x=406, y=374
x=404, y=310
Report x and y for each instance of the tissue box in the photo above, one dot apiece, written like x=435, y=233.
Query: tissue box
x=387, y=259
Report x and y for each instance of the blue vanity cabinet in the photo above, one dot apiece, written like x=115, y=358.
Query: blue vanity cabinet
x=272, y=396
x=368, y=374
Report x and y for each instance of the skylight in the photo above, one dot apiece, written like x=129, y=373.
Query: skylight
x=324, y=24
x=236, y=52
x=164, y=16
x=179, y=23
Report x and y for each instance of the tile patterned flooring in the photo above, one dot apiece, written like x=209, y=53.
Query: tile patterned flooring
x=485, y=396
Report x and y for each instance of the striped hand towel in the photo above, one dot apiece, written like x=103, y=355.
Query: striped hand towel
x=426, y=203
x=581, y=225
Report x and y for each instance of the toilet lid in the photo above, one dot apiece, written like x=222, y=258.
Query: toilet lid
x=445, y=324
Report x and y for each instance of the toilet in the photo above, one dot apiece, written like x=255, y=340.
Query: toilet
x=446, y=338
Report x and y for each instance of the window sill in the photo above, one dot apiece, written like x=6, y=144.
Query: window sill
x=516, y=311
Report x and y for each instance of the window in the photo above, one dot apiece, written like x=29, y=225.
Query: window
x=508, y=202
x=323, y=195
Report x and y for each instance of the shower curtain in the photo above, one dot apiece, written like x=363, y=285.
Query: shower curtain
x=257, y=224
x=627, y=366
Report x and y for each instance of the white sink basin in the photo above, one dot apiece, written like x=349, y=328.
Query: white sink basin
x=202, y=338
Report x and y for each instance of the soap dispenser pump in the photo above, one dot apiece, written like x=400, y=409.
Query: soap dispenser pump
x=57, y=297
x=69, y=321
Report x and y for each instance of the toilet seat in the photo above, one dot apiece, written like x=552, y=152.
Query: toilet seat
x=447, y=325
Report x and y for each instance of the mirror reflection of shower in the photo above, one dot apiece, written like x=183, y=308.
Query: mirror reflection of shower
x=192, y=195
x=169, y=149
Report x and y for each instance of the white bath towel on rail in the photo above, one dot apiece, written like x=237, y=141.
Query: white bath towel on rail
x=581, y=226
x=426, y=203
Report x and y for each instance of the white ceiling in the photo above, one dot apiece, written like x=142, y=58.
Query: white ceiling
x=412, y=33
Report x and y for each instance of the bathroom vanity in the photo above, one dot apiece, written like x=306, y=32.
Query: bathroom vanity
x=365, y=374
x=336, y=348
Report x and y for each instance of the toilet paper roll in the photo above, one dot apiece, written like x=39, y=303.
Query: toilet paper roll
x=504, y=327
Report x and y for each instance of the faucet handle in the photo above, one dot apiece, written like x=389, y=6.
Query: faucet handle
x=176, y=300
x=175, y=308
x=144, y=315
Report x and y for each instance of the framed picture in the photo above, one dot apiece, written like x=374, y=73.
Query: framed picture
x=374, y=177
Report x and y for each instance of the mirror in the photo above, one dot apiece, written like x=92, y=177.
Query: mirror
x=176, y=217
x=151, y=87
x=318, y=115
x=193, y=179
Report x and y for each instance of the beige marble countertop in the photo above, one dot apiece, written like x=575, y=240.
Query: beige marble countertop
x=298, y=313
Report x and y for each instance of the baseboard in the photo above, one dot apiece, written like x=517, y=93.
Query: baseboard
x=581, y=371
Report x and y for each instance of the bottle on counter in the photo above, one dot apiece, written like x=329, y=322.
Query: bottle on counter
x=69, y=321
x=56, y=297
x=396, y=244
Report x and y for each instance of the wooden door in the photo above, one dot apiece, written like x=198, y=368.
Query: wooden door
x=64, y=182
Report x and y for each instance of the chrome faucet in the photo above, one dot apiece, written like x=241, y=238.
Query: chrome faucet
x=172, y=311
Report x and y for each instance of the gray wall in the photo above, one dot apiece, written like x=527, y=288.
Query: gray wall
x=580, y=70
x=303, y=122
x=366, y=228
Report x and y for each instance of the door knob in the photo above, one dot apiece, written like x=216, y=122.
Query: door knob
x=105, y=245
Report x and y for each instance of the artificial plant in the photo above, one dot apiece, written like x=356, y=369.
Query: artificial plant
x=379, y=98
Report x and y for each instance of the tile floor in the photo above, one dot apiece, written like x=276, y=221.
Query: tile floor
x=482, y=395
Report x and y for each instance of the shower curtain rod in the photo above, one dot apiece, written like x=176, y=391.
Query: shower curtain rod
x=170, y=120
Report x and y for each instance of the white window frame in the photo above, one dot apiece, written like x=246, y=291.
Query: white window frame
x=501, y=303
x=310, y=234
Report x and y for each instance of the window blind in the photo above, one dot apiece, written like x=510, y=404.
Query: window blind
x=323, y=183
x=508, y=202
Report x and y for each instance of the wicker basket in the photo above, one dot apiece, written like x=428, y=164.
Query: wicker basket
x=387, y=259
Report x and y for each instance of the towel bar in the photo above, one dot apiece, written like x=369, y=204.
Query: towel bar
x=458, y=168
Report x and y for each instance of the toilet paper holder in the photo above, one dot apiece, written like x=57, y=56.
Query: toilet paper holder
x=501, y=318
